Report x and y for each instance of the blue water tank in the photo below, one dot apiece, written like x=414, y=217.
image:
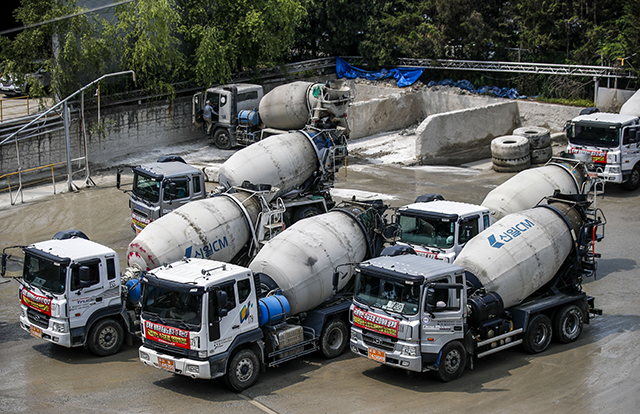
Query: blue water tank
x=249, y=117
x=273, y=309
x=134, y=293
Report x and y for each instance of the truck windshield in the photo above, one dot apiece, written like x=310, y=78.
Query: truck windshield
x=146, y=188
x=432, y=232
x=44, y=274
x=593, y=135
x=176, y=309
x=389, y=295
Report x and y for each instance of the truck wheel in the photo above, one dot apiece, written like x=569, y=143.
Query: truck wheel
x=222, y=139
x=105, y=337
x=538, y=335
x=334, y=338
x=304, y=212
x=567, y=324
x=453, y=361
x=633, y=183
x=243, y=370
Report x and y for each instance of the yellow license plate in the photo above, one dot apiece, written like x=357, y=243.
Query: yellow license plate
x=35, y=331
x=167, y=364
x=376, y=355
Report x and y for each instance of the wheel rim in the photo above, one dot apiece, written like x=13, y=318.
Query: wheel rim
x=541, y=335
x=571, y=325
x=244, y=370
x=335, y=339
x=107, y=337
x=635, y=177
x=452, y=361
x=223, y=139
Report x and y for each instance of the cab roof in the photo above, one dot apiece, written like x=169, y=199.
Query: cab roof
x=409, y=267
x=198, y=272
x=73, y=249
x=167, y=169
x=606, y=118
x=444, y=207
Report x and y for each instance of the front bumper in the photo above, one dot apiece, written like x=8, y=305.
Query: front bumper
x=48, y=334
x=394, y=358
x=182, y=366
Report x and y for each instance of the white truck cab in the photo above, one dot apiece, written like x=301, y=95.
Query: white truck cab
x=439, y=229
x=71, y=295
x=612, y=141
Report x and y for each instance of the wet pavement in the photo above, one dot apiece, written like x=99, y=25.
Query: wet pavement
x=599, y=373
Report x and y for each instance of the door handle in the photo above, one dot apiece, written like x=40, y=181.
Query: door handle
x=235, y=326
x=98, y=299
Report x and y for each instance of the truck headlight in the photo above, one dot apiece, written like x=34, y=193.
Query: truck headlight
x=409, y=350
x=354, y=334
x=144, y=355
x=202, y=354
x=614, y=170
x=193, y=368
x=195, y=342
x=59, y=327
x=24, y=312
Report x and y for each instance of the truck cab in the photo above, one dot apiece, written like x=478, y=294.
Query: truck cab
x=439, y=229
x=228, y=101
x=71, y=295
x=161, y=187
x=193, y=313
x=612, y=141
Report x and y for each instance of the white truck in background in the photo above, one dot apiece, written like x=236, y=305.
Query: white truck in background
x=516, y=283
x=611, y=141
x=209, y=319
x=72, y=294
x=245, y=116
x=439, y=229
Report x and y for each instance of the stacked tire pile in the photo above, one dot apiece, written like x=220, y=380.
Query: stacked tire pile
x=526, y=147
x=510, y=153
x=539, y=143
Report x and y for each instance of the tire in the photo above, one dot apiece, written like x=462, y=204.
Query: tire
x=524, y=162
x=633, y=182
x=538, y=335
x=105, y=337
x=510, y=147
x=305, y=212
x=567, y=324
x=541, y=155
x=538, y=137
x=243, y=370
x=453, y=361
x=222, y=139
x=334, y=338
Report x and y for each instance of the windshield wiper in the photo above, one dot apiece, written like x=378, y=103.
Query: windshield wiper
x=29, y=285
x=182, y=323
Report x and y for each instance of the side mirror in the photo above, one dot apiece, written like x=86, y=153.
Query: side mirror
x=118, y=173
x=4, y=264
x=85, y=276
x=172, y=190
x=221, y=296
x=431, y=299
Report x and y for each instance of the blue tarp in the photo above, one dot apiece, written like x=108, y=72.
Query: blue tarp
x=403, y=76
x=510, y=93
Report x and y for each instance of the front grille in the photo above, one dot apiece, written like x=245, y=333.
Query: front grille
x=38, y=318
x=140, y=212
x=167, y=349
x=381, y=342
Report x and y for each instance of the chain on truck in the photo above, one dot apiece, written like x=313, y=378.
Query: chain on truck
x=516, y=283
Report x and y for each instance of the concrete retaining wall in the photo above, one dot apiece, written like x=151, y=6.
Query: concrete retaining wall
x=124, y=130
x=611, y=100
x=464, y=135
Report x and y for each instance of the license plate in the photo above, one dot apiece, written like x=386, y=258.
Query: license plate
x=376, y=355
x=167, y=364
x=35, y=331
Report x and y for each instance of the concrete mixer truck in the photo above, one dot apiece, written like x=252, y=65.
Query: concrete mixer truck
x=516, y=283
x=438, y=229
x=72, y=294
x=295, y=172
x=245, y=116
x=611, y=141
x=209, y=319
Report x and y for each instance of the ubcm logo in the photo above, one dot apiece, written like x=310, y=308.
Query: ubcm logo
x=510, y=234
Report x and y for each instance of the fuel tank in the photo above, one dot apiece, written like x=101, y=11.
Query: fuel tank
x=525, y=189
x=301, y=260
x=521, y=252
x=214, y=228
x=284, y=161
x=288, y=106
